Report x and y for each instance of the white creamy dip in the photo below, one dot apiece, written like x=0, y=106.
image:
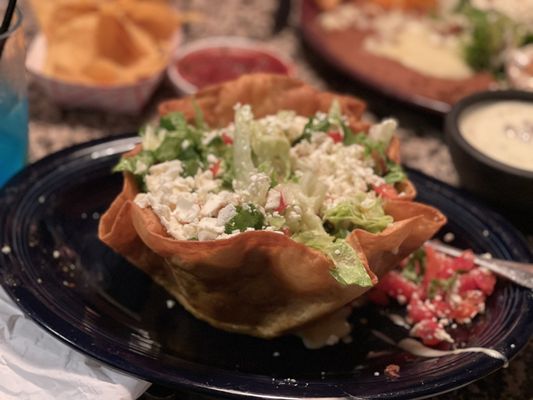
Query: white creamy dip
x=501, y=130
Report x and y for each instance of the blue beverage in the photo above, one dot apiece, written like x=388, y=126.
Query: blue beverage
x=13, y=137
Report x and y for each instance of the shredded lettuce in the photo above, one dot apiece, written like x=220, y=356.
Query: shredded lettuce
x=181, y=142
x=314, y=124
x=276, y=221
x=395, y=173
x=151, y=138
x=348, y=270
x=242, y=148
x=383, y=132
x=324, y=123
x=363, y=211
x=306, y=218
x=172, y=139
x=271, y=153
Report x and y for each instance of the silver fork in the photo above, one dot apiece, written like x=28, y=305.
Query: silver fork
x=517, y=272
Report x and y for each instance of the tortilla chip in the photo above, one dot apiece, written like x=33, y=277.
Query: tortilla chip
x=153, y=18
x=106, y=41
x=258, y=283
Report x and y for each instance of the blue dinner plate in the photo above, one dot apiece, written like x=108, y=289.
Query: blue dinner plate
x=92, y=299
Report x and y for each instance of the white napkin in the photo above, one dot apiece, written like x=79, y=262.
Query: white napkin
x=36, y=366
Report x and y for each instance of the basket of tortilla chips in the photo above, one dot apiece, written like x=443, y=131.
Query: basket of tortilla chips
x=263, y=204
x=107, y=55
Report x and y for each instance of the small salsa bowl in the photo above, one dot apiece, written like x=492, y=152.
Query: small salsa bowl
x=499, y=181
x=210, y=61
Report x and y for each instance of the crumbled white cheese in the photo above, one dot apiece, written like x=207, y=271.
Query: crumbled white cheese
x=273, y=200
x=170, y=303
x=442, y=335
x=188, y=207
x=226, y=214
x=284, y=122
x=215, y=203
x=209, y=229
x=449, y=237
x=344, y=170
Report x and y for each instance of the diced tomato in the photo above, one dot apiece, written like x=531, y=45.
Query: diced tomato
x=477, y=279
x=418, y=310
x=378, y=296
x=282, y=203
x=472, y=302
x=226, y=138
x=465, y=262
x=466, y=282
x=438, y=266
x=215, y=167
x=432, y=266
x=336, y=136
x=485, y=280
x=441, y=308
x=427, y=330
x=395, y=285
x=452, y=289
x=386, y=191
x=286, y=231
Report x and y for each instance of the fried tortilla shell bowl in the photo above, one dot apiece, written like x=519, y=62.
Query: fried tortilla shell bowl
x=259, y=283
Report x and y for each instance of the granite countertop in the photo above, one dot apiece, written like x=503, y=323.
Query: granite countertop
x=52, y=128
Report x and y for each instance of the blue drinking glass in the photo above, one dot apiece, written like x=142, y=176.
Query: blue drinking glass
x=13, y=99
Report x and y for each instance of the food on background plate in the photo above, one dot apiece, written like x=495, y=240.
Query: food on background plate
x=439, y=292
x=215, y=60
x=519, y=67
x=439, y=49
x=96, y=42
x=263, y=204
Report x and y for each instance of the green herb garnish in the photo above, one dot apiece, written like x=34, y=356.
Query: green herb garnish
x=248, y=216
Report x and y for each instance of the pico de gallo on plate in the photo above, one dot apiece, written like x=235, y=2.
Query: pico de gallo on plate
x=438, y=291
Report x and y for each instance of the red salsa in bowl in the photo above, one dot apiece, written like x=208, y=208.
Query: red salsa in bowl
x=212, y=61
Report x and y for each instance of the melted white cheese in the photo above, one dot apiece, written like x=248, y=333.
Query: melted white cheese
x=416, y=45
x=501, y=130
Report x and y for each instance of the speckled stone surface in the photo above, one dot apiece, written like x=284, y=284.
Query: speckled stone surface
x=52, y=128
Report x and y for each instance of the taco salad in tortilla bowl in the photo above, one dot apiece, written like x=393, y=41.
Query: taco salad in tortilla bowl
x=263, y=205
